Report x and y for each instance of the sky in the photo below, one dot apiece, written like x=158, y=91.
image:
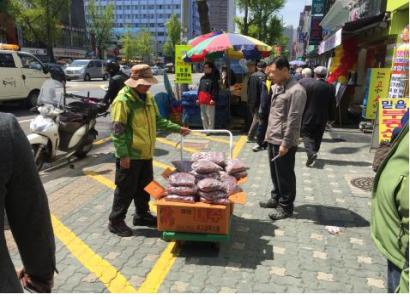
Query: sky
x=291, y=11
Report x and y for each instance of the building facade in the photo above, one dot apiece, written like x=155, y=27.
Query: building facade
x=221, y=15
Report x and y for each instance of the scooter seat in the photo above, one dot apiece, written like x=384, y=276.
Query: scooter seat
x=69, y=127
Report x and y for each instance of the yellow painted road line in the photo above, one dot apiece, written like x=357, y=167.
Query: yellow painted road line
x=102, y=141
x=175, y=145
x=215, y=139
x=159, y=271
x=238, y=147
x=108, y=275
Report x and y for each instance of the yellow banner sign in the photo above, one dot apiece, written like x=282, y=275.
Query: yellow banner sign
x=378, y=88
x=183, y=71
x=391, y=111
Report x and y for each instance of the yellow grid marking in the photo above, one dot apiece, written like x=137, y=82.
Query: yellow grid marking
x=108, y=275
x=176, y=145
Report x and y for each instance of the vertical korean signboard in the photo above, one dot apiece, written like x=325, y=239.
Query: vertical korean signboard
x=378, y=87
x=183, y=71
x=391, y=111
x=318, y=7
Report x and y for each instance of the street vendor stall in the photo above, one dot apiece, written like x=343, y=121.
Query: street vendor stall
x=221, y=46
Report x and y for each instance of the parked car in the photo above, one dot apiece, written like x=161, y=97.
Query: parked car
x=156, y=70
x=21, y=76
x=86, y=70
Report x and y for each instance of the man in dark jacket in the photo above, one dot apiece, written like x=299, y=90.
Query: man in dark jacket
x=23, y=198
x=254, y=97
x=282, y=135
x=320, y=106
x=117, y=79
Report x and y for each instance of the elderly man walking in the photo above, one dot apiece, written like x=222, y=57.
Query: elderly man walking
x=285, y=117
x=320, y=106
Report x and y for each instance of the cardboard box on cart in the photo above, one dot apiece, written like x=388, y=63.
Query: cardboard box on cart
x=196, y=217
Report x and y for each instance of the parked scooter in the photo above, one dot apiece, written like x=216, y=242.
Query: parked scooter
x=69, y=128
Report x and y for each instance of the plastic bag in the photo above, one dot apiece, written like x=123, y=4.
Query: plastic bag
x=216, y=201
x=41, y=123
x=214, y=195
x=199, y=176
x=183, y=165
x=230, y=184
x=234, y=166
x=240, y=175
x=216, y=157
x=210, y=185
x=179, y=198
x=181, y=179
x=205, y=166
x=183, y=191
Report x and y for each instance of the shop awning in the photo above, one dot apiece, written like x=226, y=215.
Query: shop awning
x=351, y=27
x=337, y=16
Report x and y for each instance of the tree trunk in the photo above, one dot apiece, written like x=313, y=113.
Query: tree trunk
x=203, y=16
x=245, y=19
x=49, y=37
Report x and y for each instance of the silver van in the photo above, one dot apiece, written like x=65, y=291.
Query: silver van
x=86, y=70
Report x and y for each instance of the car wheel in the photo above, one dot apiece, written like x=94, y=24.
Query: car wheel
x=31, y=100
x=87, y=77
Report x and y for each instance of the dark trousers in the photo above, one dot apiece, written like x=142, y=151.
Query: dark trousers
x=261, y=132
x=393, y=277
x=312, y=138
x=282, y=172
x=130, y=186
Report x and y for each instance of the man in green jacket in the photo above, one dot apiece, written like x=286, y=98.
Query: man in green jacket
x=390, y=213
x=135, y=118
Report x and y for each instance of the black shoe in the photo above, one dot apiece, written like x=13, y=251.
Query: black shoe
x=279, y=213
x=146, y=219
x=257, y=148
x=120, y=229
x=311, y=159
x=271, y=203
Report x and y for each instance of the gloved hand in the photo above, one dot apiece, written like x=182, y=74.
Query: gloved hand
x=32, y=283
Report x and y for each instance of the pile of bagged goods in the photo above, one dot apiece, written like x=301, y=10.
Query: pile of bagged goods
x=206, y=178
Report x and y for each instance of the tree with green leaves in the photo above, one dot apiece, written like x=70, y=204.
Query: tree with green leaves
x=259, y=20
x=173, y=36
x=129, y=46
x=41, y=20
x=144, y=44
x=100, y=25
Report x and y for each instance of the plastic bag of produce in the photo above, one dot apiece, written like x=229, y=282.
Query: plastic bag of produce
x=234, y=166
x=181, y=179
x=240, y=175
x=205, y=166
x=216, y=157
x=230, y=184
x=210, y=185
x=183, y=191
x=217, y=201
x=199, y=176
x=179, y=198
x=214, y=195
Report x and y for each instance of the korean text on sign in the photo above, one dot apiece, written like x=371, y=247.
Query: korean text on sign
x=183, y=71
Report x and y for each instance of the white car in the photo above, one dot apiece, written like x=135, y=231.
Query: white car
x=21, y=76
x=86, y=70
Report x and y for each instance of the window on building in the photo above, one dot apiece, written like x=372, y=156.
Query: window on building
x=7, y=61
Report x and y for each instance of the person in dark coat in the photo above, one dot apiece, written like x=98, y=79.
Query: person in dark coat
x=319, y=109
x=116, y=83
x=254, y=97
x=23, y=199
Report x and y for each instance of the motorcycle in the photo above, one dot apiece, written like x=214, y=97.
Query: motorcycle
x=69, y=128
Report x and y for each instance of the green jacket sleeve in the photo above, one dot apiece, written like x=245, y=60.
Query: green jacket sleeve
x=120, y=137
x=164, y=123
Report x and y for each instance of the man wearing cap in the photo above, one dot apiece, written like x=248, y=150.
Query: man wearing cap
x=254, y=97
x=135, y=118
x=320, y=106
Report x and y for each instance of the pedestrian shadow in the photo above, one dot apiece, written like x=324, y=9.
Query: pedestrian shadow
x=147, y=232
x=160, y=152
x=249, y=245
x=329, y=215
x=345, y=150
x=321, y=163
